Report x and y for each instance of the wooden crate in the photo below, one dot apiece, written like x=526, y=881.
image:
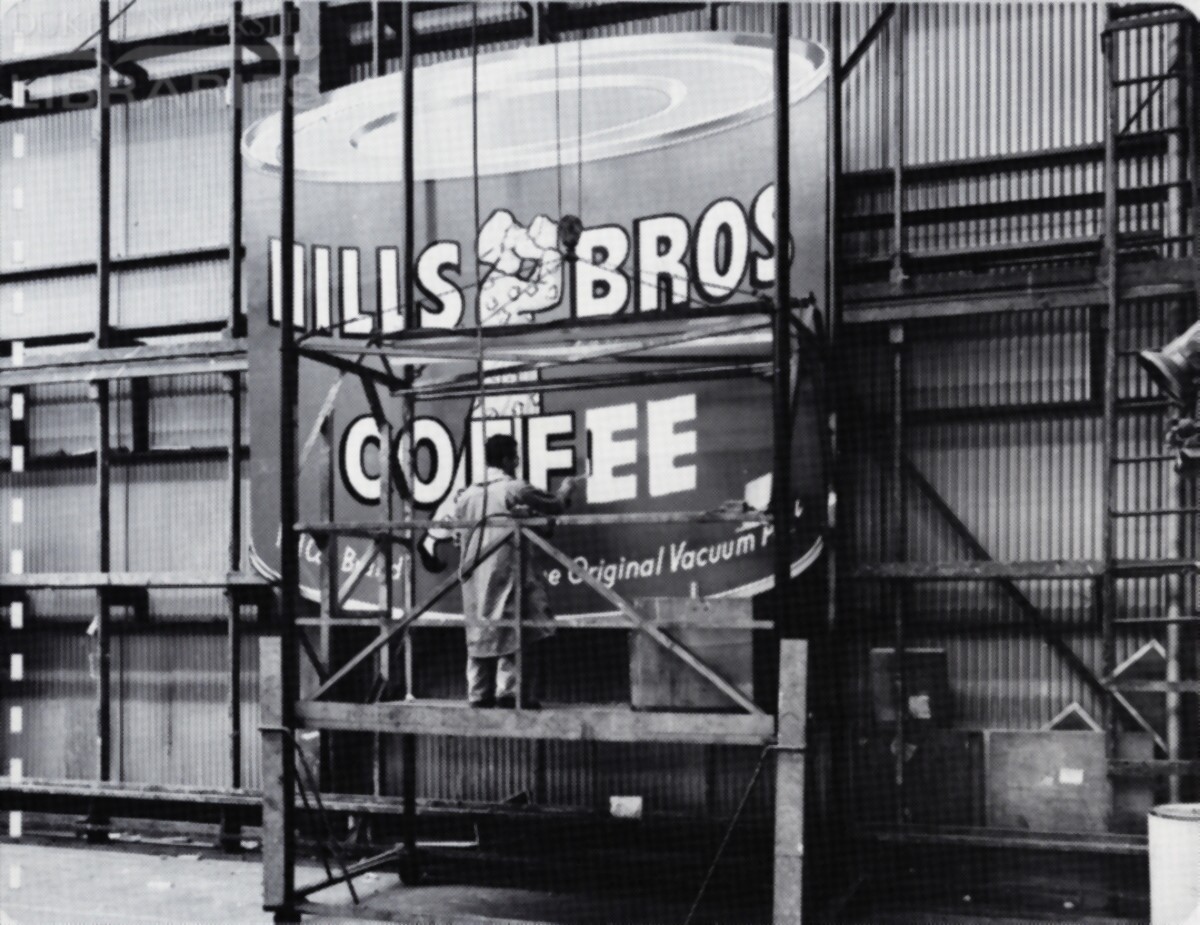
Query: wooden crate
x=660, y=681
x=1057, y=781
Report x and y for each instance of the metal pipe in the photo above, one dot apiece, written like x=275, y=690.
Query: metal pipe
x=1107, y=586
x=897, y=530
x=897, y=145
x=1174, y=548
x=781, y=494
x=283, y=866
x=100, y=391
x=104, y=178
x=833, y=300
x=230, y=830
x=519, y=607
x=408, y=744
x=236, y=106
x=377, y=64
x=1188, y=166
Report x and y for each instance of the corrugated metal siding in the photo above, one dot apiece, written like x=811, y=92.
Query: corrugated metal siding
x=1001, y=425
x=172, y=721
x=982, y=80
x=170, y=718
x=58, y=702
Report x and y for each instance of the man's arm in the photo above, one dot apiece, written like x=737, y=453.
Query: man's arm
x=537, y=501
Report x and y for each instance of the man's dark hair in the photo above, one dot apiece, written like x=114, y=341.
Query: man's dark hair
x=499, y=449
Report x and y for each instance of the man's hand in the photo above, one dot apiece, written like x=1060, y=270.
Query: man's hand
x=568, y=486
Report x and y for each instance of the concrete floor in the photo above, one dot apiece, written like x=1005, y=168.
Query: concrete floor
x=131, y=883
x=76, y=883
x=80, y=884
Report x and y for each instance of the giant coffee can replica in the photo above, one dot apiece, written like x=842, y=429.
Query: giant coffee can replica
x=663, y=146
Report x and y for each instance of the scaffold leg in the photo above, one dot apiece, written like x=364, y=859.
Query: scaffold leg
x=789, y=782
x=278, y=788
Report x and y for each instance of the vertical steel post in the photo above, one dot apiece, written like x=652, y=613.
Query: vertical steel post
x=518, y=540
x=897, y=144
x=230, y=831
x=790, y=746
x=833, y=126
x=97, y=820
x=103, y=179
x=408, y=743
x=377, y=66
x=835, y=722
x=234, y=324
x=230, y=837
x=792, y=711
x=279, y=706
x=1109, y=271
x=897, y=529
x=539, y=23
x=781, y=494
x=1174, y=548
x=1192, y=116
x=1184, y=145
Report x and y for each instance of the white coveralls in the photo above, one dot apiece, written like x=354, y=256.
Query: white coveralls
x=489, y=592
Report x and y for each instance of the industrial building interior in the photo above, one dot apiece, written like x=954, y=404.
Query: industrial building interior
x=962, y=684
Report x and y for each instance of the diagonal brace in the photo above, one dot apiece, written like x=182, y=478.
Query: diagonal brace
x=641, y=623
x=1053, y=637
x=409, y=618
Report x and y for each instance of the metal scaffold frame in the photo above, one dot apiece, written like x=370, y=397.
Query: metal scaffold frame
x=286, y=710
x=1108, y=288
x=111, y=358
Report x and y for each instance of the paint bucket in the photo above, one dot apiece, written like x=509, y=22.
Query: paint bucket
x=1175, y=864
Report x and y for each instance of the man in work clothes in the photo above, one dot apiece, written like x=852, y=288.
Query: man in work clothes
x=489, y=592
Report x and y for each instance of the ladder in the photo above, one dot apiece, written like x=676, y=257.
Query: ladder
x=1150, y=266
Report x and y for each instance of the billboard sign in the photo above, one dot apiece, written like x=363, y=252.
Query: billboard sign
x=663, y=146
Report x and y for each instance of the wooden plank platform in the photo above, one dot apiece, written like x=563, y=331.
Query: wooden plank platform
x=580, y=724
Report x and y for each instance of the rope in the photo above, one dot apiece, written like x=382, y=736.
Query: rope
x=762, y=759
x=479, y=320
x=475, y=192
x=557, y=131
x=579, y=129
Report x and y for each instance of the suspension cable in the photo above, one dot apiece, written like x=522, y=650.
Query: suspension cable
x=475, y=192
x=558, y=167
x=579, y=128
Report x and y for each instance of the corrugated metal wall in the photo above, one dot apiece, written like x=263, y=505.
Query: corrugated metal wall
x=983, y=81
x=1002, y=429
